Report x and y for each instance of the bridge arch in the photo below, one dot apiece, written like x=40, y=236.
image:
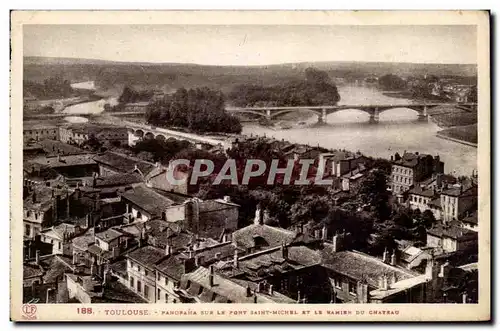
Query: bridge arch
x=161, y=137
x=149, y=136
x=139, y=133
x=275, y=114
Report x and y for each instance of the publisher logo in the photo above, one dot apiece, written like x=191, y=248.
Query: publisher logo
x=29, y=311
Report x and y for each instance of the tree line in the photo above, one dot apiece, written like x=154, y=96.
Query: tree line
x=315, y=89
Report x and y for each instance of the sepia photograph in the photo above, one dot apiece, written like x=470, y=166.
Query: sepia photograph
x=184, y=168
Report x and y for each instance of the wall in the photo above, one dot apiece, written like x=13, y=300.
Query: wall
x=51, y=133
x=419, y=202
x=76, y=291
x=145, y=279
x=433, y=241
x=175, y=213
x=166, y=286
x=161, y=182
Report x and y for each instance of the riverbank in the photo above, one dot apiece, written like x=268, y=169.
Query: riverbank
x=466, y=134
x=89, y=98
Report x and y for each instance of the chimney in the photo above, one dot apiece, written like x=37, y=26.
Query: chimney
x=74, y=259
x=384, y=256
x=393, y=258
x=255, y=298
x=168, y=249
x=284, y=251
x=227, y=198
x=87, y=221
x=258, y=215
x=464, y=297
x=298, y=296
x=235, y=260
x=37, y=257
x=317, y=234
x=211, y=276
x=385, y=283
x=260, y=286
x=49, y=290
x=249, y=291
x=33, y=196
x=324, y=233
x=198, y=260
x=271, y=291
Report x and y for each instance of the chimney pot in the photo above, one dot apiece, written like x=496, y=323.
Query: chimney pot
x=271, y=291
x=37, y=257
x=236, y=259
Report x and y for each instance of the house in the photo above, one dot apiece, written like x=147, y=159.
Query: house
x=78, y=134
x=204, y=285
x=339, y=163
x=141, y=271
x=111, y=163
x=352, y=180
x=39, y=131
x=420, y=198
x=42, y=278
x=412, y=168
x=458, y=200
x=49, y=147
x=356, y=277
x=158, y=179
x=207, y=218
x=470, y=221
x=412, y=258
x=451, y=237
x=293, y=271
x=69, y=166
x=60, y=236
x=110, y=186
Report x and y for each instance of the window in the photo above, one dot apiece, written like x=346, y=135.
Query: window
x=146, y=291
x=131, y=282
x=146, y=272
x=139, y=268
x=59, y=245
x=337, y=282
x=166, y=281
x=28, y=213
x=166, y=298
x=27, y=230
x=158, y=294
x=158, y=277
x=352, y=288
x=139, y=287
x=131, y=264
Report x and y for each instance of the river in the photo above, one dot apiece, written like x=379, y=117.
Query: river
x=398, y=130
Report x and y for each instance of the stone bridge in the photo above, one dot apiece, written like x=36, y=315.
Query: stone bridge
x=138, y=132
x=323, y=111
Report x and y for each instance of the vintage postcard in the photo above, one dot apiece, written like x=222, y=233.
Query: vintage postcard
x=250, y=166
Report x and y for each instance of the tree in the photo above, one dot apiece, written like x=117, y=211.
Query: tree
x=373, y=193
x=93, y=143
x=392, y=82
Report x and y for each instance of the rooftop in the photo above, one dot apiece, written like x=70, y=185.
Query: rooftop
x=147, y=256
x=429, y=193
x=458, y=191
x=65, y=161
x=151, y=200
x=109, y=235
x=173, y=266
x=117, y=180
x=124, y=163
x=223, y=290
x=411, y=159
x=453, y=231
x=83, y=241
x=266, y=236
x=471, y=219
x=357, y=265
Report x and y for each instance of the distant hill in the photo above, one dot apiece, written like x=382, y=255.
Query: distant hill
x=110, y=75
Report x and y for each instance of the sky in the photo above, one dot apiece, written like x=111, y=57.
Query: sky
x=253, y=44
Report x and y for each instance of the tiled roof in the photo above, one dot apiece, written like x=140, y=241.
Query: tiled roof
x=410, y=159
x=119, y=267
x=123, y=162
x=148, y=199
x=147, y=256
x=65, y=161
x=173, y=266
x=31, y=270
x=472, y=219
x=357, y=266
x=435, y=203
x=453, y=231
x=116, y=292
x=425, y=193
x=224, y=290
x=117, y=180
x=461, y=192
x=59, y=230
x=109, y=235
x=55, y=147
x=84, y=240
x=271, y=262
x=268, y=236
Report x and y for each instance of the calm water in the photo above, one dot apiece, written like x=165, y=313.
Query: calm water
x=398, y=130
x=93, y=107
